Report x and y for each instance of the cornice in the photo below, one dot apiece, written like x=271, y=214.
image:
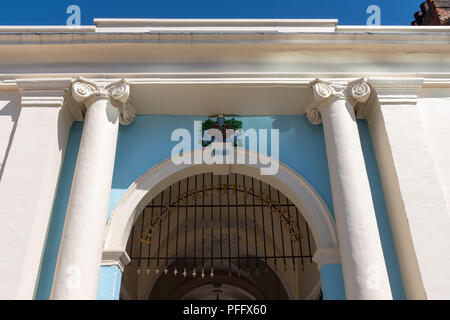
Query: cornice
x=436, y=83
x=221, y=25
x=46, y=29
x=223, y=31
x=397, y=91
x=45, y=92
x=390, y=91
x=403, y=80
x=214, y=25
x=227, y=38
x=30, y=84
x=388, y=88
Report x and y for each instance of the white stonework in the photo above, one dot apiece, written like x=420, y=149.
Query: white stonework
x=414, y=194
x=82, y=243
x=326, y=255
x=397, y=78
x=28, y=183
x=359, y=241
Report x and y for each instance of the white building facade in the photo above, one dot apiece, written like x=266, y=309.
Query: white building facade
x=92, y=205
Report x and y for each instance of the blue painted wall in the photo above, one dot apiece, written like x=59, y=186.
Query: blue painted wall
x=147, y=142
x=59, y=213
x=110, y=280
x=384, y=227
x=332, y=282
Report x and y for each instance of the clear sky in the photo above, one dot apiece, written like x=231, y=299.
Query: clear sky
x=349, y=12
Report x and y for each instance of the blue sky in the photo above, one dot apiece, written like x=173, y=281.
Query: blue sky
x=349, y=12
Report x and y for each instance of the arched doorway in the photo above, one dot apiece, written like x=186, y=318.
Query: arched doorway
x=161, y=178
x=223, y=235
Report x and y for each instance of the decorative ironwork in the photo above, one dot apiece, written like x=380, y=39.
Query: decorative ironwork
x=235, y=221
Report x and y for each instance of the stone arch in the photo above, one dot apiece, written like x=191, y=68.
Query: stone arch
x=156, y=179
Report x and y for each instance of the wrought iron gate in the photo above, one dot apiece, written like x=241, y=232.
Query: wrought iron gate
x=234, y=221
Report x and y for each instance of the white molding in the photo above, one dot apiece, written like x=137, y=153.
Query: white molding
x=230, y=38
x=220, y=24
x=295, y=187
x=227, y=31
x=115, y=258
x=392, y=91
x=46, y=93
x=388, y=89
x=213, y=22
x=42, y=92
x=326, y=255
x=402, y=152
x=297, y=79
x=49, y=29
x=215, y=25
x=406, y=86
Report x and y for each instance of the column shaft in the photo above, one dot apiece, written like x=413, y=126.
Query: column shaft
x=364, y=269
x=79, y=260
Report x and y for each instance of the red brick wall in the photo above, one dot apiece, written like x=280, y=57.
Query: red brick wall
x=438, y=13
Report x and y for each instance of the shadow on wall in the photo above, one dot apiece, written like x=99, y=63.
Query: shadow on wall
x=384, y=227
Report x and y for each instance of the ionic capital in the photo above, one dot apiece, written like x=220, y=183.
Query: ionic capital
x=359, y=91
x=325, y=93
x=86, y=91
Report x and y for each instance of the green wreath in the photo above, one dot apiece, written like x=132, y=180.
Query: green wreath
x=222, y=125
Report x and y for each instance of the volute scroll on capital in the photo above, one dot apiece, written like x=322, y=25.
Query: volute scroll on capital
x=325, y=92
x=117, y=92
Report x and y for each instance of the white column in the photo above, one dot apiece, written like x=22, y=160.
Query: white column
x=364, y=269
x=410, y=175
x=29, y=182
x=80, y=254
